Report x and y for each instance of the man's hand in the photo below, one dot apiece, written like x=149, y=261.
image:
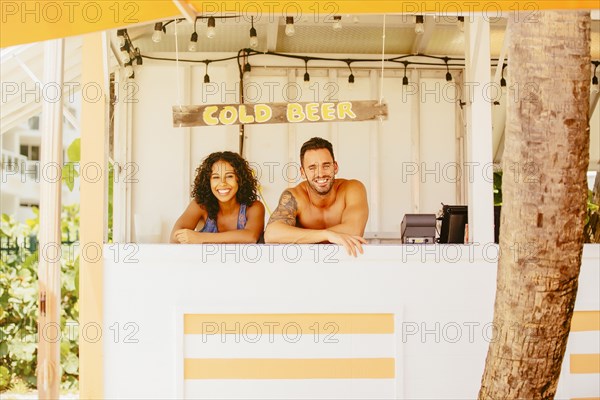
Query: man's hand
x=185, y=236
x=350, y=242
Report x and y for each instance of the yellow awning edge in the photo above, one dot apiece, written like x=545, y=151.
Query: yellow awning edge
x=34, y=21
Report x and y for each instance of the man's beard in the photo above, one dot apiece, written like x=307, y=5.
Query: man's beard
x=322, y=190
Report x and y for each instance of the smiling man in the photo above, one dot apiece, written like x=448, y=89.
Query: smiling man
x=322, y=208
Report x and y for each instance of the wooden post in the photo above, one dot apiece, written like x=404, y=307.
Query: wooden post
x=479, y=132
x=49, y=329
x=93, y=208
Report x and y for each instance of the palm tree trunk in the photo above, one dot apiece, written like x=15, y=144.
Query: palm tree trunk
x=544, y=203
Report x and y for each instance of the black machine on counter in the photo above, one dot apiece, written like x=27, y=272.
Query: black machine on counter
x=421, y=228
x=418, y=228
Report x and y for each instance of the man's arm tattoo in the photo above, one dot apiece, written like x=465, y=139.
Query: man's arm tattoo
x=286, y=210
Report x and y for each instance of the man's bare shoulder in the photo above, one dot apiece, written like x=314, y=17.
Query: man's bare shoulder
x=299, y=192
x=350, y=186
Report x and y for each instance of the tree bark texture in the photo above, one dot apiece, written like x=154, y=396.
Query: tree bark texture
x=544, y=203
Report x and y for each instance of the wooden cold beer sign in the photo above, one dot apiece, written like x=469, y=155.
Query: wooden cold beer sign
x=277, y=113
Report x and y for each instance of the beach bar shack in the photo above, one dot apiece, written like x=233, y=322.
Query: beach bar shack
x=413, y=97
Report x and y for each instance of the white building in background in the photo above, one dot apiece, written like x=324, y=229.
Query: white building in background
x=23, y=93
x=22, y=171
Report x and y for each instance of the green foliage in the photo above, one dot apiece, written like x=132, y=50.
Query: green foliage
x=19, y=300
x=497, y=188
x=70, y=173
x=591, y=230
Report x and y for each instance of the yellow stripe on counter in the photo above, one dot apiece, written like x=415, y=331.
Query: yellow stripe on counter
x=585, y=321
x=281, y=368
x=585, y=363
x=210, y=324
x=586, y=398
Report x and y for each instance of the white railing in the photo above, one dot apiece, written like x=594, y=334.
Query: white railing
x=17, y=164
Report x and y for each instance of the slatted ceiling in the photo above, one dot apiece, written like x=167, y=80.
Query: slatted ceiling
x=596, y=39
x=497, y=40
x=446, y=40
x=351, y=39
x=229, y=38
x=362, y=37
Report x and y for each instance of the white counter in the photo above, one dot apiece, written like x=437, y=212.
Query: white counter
x=439, y=298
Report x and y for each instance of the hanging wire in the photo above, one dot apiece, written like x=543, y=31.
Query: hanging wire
x=178, y=74
x=382, y=62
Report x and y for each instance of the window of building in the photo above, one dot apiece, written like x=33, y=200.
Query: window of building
x=31, y=151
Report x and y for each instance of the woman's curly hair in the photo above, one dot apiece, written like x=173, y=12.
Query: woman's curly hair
x=247, y=182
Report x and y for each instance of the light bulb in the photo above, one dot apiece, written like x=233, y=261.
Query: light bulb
x=247, y=70
x=128, y=71
x=420, y=25
x=448, y=76
x=193, y=45
x=460, y=22
x=206, y=78
x=121, y=40
x=125, y=56
x=337, y=25
x=351, y=78
x=253, y=38
x=211, y=30
x=157, y=35
x=289, y=26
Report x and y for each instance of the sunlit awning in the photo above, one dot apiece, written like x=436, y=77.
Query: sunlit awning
x=34, y=21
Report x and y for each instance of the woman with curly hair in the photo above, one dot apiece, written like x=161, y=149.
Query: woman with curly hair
x=224, y=202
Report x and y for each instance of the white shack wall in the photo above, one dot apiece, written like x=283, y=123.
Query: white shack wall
x=166, y=158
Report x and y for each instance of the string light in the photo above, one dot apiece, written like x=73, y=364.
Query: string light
x=253, y=36
x=138, y=57
x=211, y=31
x=247, y=70
x=351, y=76
x=420, y=25
x=460, y=22
x=448, y=74
x=306, y=75
x=405, y=78
x=337, y=22
x=125, y=58
x=128, y=70
x=193, y=45
x=289, y=26
x=158, y=32
x=206, y=77
x=121, y=37
x=160, y=28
